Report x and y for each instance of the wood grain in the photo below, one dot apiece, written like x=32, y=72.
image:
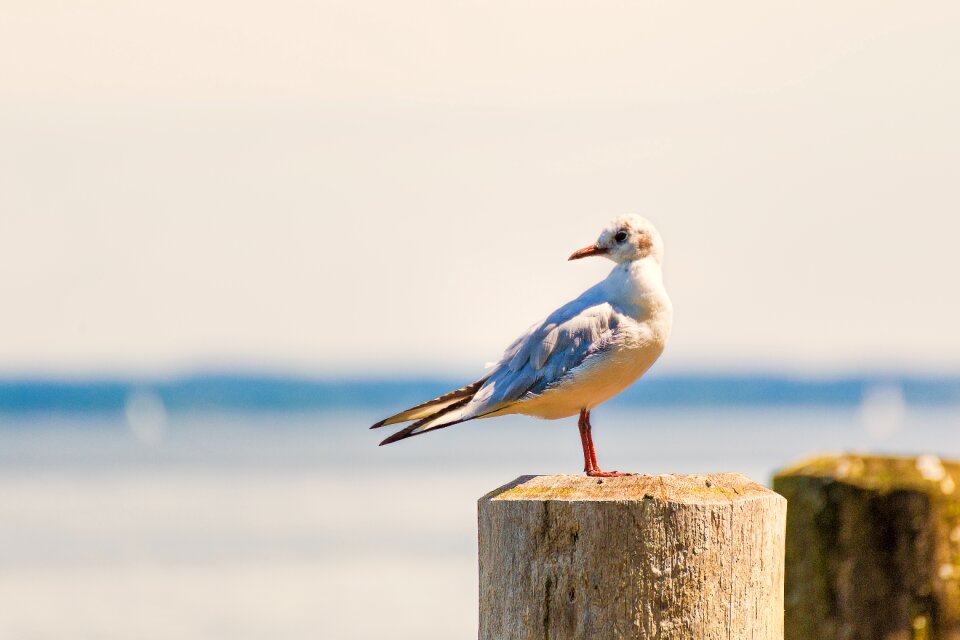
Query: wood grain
x=664, y=557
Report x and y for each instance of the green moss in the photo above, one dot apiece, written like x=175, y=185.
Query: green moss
x=829, y=493
x=884, y=474
x=538, y=493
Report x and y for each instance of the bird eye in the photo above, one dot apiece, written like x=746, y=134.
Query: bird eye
x=621, y=236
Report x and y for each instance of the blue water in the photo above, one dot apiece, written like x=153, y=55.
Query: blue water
x=171, y=512
x=278, y=393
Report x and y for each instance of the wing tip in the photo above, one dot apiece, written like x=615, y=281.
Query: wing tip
x=403, y=434
x=421, y=426
x=395, y=437
x=444, y=402
x=410, y=431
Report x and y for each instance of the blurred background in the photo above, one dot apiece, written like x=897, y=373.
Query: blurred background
x=233, y=235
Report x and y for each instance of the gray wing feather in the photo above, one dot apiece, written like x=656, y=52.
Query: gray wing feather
x=546, y=353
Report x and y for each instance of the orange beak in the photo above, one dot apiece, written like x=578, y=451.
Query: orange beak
x=592, y=250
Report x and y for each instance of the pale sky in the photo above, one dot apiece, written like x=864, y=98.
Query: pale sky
x=354, y=187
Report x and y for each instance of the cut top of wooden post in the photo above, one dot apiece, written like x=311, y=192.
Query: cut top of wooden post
x=682, y=489
x=670, y=557
x=883, y=474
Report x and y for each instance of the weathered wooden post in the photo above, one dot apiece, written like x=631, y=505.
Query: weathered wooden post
x=666, y=557
x=873, y=548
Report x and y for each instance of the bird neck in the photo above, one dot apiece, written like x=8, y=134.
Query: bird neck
x=638, y=286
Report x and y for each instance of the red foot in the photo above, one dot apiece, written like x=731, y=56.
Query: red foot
x=597, y=473
x=590, y=465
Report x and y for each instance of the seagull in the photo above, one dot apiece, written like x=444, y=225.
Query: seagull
x=581, y=355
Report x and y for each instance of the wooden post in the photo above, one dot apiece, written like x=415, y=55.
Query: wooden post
x=665, y=557
x=873, y=548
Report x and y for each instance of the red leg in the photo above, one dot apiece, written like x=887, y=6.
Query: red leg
x=591, y=467
x=589, y=430
x=588, y=462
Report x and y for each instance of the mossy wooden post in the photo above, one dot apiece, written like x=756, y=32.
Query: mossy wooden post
x=666, y=557
x=873, y=548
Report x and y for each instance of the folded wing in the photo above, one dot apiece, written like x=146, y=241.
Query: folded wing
x=548, y=354
x=540, y=359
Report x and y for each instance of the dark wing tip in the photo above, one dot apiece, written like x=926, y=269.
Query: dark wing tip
x=397, y=436
x=466, y=391
x=406, y=432
x=410, y=430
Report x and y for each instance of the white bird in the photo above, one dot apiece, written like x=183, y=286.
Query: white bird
x=582, y=354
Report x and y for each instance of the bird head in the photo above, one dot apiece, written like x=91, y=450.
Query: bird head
x=625, y=239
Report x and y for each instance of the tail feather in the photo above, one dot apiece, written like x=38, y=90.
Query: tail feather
x=431, y=408
x=436, y=420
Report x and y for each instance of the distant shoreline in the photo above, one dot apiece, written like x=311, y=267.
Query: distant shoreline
x=278, y=393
